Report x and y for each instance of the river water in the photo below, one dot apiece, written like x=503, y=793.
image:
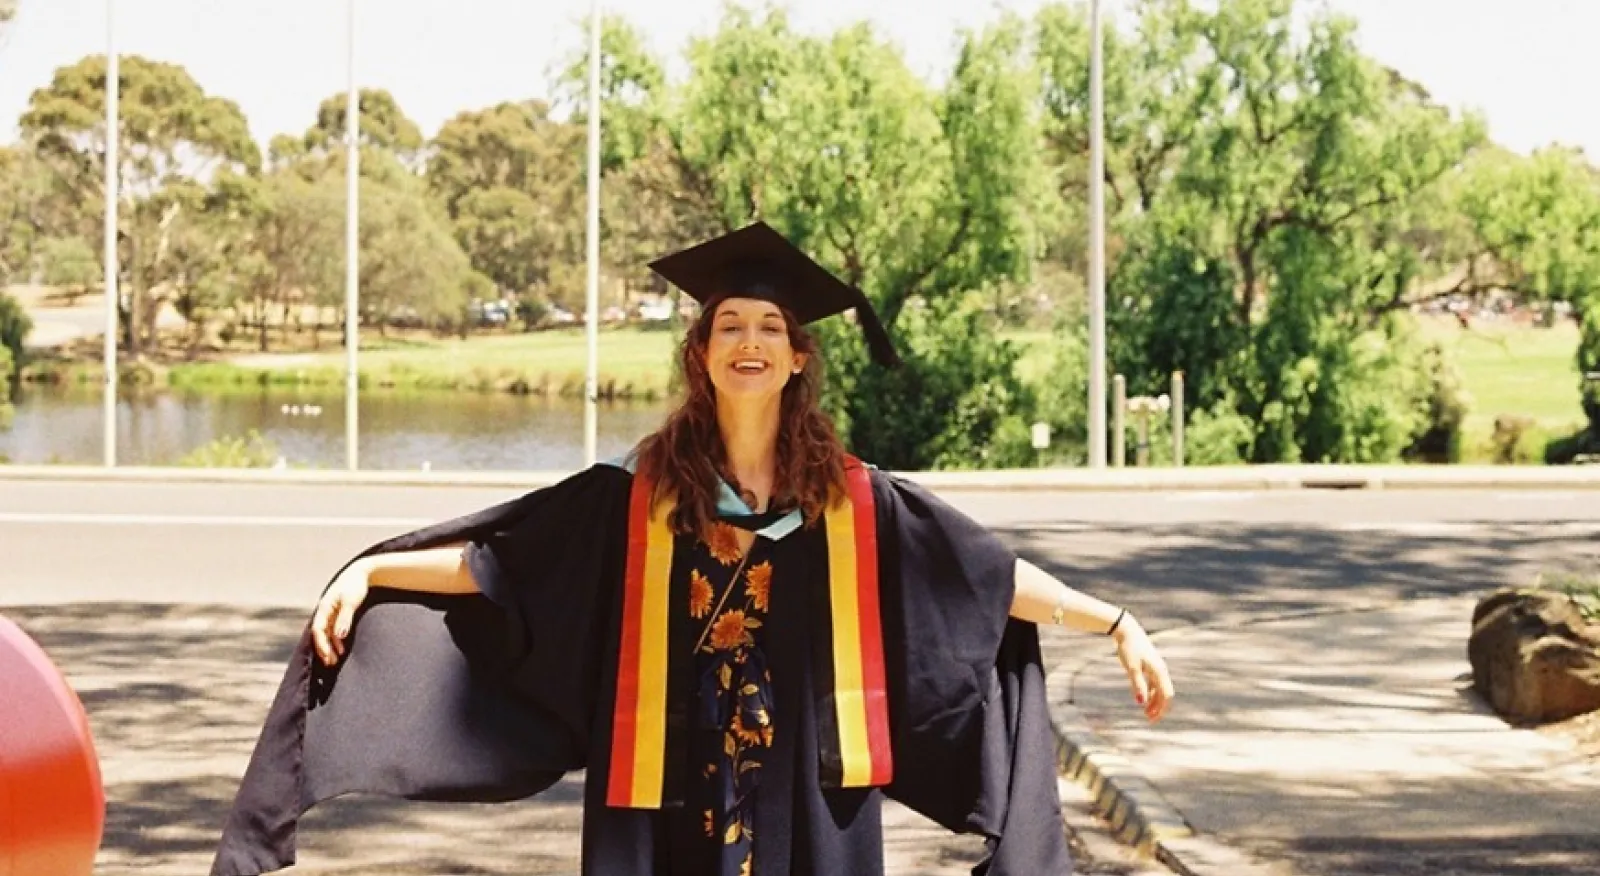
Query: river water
x=442, y=430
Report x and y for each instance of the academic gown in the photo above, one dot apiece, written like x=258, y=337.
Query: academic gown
x=494, y=697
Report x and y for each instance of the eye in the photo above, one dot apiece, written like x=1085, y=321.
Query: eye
x=729, y=328
x=772, y=329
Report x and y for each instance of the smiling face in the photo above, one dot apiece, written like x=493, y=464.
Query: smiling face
x=749, y=354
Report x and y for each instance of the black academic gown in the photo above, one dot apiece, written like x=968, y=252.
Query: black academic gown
x=495, y=697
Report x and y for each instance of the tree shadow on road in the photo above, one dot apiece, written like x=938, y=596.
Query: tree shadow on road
x=1229, y=573
x=1314, y=727
x=176, y=695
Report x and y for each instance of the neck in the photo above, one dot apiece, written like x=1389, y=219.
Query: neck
x=750, y=439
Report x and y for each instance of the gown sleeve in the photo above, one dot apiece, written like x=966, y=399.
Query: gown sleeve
x=472, y=698
x=970, y=726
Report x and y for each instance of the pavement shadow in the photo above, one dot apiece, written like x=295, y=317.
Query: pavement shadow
x=175, y=696
x=1325, y=716
x=1544, y=855
x=1179, y=575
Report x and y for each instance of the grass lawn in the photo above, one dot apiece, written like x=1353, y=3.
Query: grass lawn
x=633, y=362
x=1521, y=371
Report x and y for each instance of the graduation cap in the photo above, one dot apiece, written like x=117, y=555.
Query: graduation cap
x=758, y=262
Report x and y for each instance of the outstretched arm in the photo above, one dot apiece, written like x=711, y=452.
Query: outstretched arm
x=432, y=570
x=1043, y=599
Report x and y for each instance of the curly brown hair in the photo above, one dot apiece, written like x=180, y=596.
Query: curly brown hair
x=686, y=455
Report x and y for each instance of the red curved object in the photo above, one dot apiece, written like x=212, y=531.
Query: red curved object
x=52, y=803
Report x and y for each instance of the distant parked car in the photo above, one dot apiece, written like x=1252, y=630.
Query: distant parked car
x=655, y=311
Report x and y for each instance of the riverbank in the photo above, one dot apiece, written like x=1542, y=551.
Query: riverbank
x=634, y=365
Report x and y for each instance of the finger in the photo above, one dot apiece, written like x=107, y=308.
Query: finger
x=319, y=633
x=1161, y=683
x=328, y=626
x=1141, y=688
x=342, y=623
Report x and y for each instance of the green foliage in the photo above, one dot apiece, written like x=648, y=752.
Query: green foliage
x=955, y=403
x=250, y=451
x=15, y=324
x=1277, y=200
x=1583, y=589
x=1217, y=436
x=7, y=371
x=384, y=126
x=176, y=142
x=1516, y=441
x=69, y=262
x=1589, y=363
x=1448, y=403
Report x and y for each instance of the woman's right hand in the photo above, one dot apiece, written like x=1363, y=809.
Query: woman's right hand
x=330, y=625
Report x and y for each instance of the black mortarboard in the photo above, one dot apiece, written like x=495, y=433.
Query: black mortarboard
x=758, y=262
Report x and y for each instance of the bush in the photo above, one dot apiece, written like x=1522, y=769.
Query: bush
x=1448, y=403
x=1584, y=590
x=955, y=402
x=15, y=325
x=1581, y=446
x=1589, y=363
x=1517, y=441
x=251, y=451
x=6, y=372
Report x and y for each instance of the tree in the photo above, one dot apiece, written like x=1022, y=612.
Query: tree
x=23, y=218
x=171, y=133
x=384, y=126
x=915, y=196
x=1274, y=196
x=510, y=179
x=15, y=325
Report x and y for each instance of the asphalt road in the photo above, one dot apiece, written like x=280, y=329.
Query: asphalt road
x=172, y=608
x=1172, y=555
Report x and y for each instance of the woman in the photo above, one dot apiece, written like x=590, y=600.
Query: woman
x=745, y=636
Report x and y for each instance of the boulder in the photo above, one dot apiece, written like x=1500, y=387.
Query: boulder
x=1535, y=658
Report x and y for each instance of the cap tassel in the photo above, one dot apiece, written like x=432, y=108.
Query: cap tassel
x=878, y=342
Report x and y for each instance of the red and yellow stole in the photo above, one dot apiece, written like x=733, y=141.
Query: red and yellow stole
x=648, y=721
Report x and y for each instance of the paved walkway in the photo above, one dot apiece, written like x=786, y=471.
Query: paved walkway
x=175, y=696
x=1348, y=742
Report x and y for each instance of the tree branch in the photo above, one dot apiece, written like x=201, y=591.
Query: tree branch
x=894, y=300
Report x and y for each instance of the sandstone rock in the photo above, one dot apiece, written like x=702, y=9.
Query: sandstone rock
x=1534, y=656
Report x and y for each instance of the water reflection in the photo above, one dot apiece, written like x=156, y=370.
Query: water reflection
x=445, y=430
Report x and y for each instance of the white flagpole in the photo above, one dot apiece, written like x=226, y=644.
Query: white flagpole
x=592, y=384
x=113, y=88
x=1097, y=242
x=352, y=340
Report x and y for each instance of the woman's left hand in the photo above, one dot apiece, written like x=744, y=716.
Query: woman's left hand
x=1147, y=672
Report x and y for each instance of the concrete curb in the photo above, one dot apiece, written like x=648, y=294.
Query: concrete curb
x=1219, y=478
x=1139, y=816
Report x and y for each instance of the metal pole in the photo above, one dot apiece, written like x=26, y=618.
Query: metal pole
x=1177, y=419
x=591, y=414
x=1119, y=428
x=1097, y=244
x=113, y=90
x=352, y=277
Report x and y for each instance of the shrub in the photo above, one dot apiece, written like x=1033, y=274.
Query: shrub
x=1584, y=590
x=251, y=451
x=1516, y=441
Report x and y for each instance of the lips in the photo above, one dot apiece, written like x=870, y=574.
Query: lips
x=749, y=366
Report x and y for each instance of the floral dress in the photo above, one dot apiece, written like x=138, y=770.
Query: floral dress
x=728, y=600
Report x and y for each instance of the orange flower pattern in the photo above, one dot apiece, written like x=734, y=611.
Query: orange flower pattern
x=734, y=724
x=700, y=595
x=758, y=584
x=724, y=544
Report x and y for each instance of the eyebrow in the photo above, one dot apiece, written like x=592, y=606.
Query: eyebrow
x=771, y=314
